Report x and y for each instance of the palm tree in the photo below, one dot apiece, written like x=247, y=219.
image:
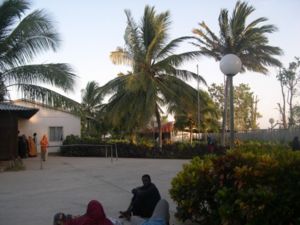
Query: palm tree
x=155, y=79
x=90, y=106
x=91, y=98
x=246, y=40
x=22, y=37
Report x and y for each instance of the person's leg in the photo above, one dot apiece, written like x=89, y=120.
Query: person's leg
x=161, y=211
x=127, y=213
x=43, y=155
x=137, y=206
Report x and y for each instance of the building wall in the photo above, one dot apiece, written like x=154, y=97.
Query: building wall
x=45, y=118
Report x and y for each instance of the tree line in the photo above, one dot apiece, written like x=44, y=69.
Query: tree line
x=155, y=84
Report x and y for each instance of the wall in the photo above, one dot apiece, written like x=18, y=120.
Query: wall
x=46, y=117
x=279, y=135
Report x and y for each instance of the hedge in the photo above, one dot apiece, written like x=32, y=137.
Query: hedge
x=83, y=147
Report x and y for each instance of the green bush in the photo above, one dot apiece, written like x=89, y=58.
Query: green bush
x=240, y=188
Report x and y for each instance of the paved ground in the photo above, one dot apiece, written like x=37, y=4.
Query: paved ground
x=67, y=184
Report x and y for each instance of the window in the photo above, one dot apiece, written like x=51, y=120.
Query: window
x=56, y=133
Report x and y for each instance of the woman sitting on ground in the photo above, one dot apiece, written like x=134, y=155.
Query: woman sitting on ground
x=94, y=215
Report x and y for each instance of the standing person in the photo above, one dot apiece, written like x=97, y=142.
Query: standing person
x=295, y=144
x=143, y=201
x=94, y=215
x=44, y=145
x=35, y=139
x=160, y=216
x=32, y=147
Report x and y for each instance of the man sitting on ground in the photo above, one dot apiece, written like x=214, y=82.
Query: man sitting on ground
x=143, y=201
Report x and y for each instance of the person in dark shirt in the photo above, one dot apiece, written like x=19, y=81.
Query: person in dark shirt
x=295, y=144
x=143, y=201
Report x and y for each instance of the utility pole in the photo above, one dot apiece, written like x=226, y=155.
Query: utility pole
x=198, y=102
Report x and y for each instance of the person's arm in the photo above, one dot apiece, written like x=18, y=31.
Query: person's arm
x=146, y=191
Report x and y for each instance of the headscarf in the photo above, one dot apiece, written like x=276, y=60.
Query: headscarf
x=94, y=216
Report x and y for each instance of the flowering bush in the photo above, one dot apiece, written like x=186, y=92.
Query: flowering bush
x=241, y=187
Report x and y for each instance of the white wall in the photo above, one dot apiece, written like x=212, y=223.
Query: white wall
x=45, y=118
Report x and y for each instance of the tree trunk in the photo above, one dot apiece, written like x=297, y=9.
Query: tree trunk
x=191, y=134
x=282, y=109
x=290, y=103
x=157, y=115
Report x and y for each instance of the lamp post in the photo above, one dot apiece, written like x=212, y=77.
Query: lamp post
x=230, y=65
x=198, y=104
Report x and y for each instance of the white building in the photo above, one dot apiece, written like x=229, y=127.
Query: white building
x=55, y=123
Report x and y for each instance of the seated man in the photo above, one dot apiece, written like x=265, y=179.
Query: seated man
x=143, y=201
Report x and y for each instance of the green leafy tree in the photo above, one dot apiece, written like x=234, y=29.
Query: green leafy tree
x=296, y=112
x=155, y=80
x=248, y=41
x=289, y=79
x=187, y=117
x=22, y=37
x=245, y=104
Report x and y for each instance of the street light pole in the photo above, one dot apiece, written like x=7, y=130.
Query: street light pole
x=198, y=103
x=224, y=112
x=230, y=65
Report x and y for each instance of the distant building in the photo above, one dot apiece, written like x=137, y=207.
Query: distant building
x=152, y=131
x=55, y=123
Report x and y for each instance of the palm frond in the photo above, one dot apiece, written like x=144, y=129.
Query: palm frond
x=120, y=57
x=59, y=75
x=10, y=11
x=34, y=34
x=171, y=46
x=177, y=59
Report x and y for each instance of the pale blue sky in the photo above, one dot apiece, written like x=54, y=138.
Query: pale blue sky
x=91, y=29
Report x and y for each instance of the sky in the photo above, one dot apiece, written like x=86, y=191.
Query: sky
x=91, y=29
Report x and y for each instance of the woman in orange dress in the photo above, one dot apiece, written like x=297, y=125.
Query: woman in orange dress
x=44, y=145
x=32, y=147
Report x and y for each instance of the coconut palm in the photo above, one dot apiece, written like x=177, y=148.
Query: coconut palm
x=155, y=79
x=91, y=103
x=22, y=37
x=248, y=41
x=91, y=98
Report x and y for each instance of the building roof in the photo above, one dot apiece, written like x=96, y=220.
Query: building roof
x=166, y=128
x=21, y=111
x=40, y=104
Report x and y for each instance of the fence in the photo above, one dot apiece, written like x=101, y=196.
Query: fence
x=280, y=135
x=110, y=150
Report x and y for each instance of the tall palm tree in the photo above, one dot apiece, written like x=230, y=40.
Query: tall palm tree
x=155, y=79
x=22, y=37
x=91, y=98
x=91, y=103
x=248, y=41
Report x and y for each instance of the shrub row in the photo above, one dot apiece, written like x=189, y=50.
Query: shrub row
x=239, y=188
x=75, y=146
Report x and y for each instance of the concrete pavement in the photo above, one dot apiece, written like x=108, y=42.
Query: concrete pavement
x=67, y=184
